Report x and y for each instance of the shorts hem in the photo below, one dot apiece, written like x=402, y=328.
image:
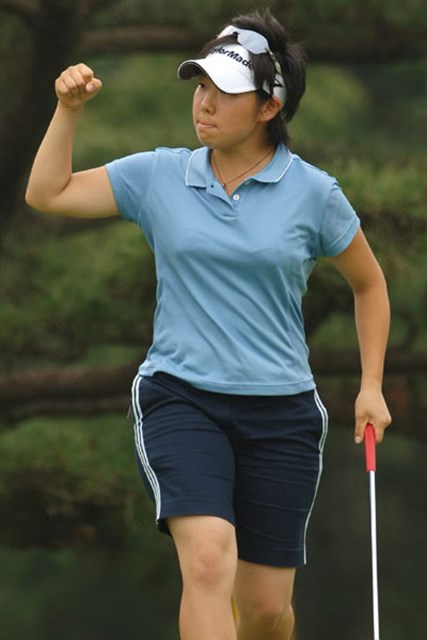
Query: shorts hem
x=272, y=558
x=175, y=511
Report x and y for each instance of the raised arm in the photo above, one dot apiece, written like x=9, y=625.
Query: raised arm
x=372, y=311
x=53, y=187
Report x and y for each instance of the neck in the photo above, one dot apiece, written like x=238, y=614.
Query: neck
x=233, y=166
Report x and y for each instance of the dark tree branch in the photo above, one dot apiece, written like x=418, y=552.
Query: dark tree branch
x=373, y=46
x=91, y=383
x=66, y=383
x=140, y=38
x=87, y=8
x=395, y=45
x=78, y=391
x=399, y=361
x=22, y=9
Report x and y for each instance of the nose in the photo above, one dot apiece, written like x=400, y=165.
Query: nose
x=208, y=100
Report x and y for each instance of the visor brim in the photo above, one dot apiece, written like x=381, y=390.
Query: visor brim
x=225, y=77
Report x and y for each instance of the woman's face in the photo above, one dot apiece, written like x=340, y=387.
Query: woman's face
x=226, y=121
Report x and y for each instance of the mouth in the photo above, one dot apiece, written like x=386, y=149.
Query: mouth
x=204, y=125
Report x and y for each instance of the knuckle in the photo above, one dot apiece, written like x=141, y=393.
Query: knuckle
x=85, y=71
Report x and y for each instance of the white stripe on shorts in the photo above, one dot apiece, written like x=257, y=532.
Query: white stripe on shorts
x=324, y=415
x=140, y=445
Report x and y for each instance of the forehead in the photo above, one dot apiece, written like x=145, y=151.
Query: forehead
x=205, y=79
x=245, y=95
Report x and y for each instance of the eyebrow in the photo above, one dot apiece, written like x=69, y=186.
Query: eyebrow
x=202, y=75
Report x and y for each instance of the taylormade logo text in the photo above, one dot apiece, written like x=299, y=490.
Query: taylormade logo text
x=232, y=54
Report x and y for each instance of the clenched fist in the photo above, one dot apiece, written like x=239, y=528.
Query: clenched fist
x=76, y=85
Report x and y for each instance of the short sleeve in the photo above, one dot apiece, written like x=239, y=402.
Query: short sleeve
x=130, y=179
x=339, y=225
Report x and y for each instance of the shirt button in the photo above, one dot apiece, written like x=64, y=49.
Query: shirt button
x=236, y=197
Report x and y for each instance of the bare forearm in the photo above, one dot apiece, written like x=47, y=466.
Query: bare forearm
x=373, y=323
x=52, y=167
x=372, y=312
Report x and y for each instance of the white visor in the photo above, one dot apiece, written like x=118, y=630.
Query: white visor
x=228, y=66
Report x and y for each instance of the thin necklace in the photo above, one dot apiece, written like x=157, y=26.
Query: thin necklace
x=253, y=166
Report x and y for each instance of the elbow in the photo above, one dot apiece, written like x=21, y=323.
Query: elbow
x=31, y=198
x=37, y=201
x=375, y=293
x=46, y=198
x=374, y=283
x=376, y=289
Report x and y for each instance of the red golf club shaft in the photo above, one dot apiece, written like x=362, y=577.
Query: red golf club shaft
x=370, y=454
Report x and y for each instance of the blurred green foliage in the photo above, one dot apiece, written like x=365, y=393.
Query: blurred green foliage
x=75, y=482
x=142, y=106
x=65, y=294
x=89, y=595
x=102, y=446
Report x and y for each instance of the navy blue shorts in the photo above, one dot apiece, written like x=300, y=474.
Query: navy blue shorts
x=255, y=461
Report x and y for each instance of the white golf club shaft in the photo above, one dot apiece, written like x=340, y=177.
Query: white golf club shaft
x=371, y=467
x=373, y=514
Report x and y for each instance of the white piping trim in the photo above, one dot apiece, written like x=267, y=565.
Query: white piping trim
x=140, y=445
x=291, y=159
x=187, y=171
x=187, y=184
x=324, y=415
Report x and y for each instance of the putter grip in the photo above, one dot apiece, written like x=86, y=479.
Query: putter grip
x=371, y=464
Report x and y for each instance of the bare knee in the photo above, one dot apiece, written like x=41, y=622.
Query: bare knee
x=207, y=553
x=267, y=614
x=209, y=567
x=264, y=596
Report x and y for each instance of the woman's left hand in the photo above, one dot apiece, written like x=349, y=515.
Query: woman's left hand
x=371, y=407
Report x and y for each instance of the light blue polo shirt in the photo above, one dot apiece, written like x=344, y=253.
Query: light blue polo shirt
x=232, y=270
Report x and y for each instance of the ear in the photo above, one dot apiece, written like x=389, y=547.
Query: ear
x=270, y=108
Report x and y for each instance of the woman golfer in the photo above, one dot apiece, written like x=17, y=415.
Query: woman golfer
x=229, y=427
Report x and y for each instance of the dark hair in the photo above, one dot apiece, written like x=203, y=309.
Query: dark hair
x=291, y=57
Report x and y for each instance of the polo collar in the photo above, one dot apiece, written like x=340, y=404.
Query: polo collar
x=199, y=172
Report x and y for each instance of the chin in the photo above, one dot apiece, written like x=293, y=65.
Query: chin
x=205, y=139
